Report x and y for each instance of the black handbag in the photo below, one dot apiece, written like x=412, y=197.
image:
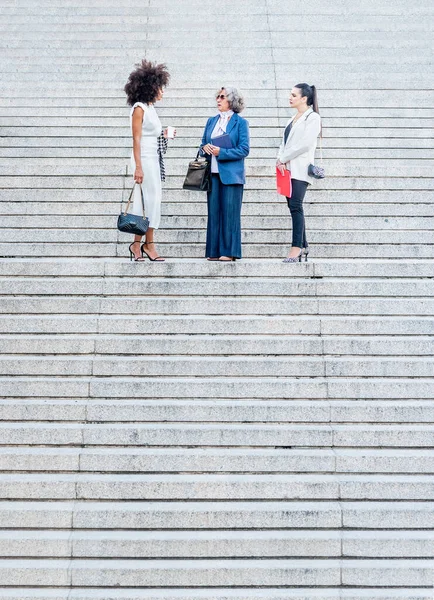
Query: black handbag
x=198, y=178
x=135, y=224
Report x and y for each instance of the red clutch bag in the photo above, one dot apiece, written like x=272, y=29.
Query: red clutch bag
x=283, y=183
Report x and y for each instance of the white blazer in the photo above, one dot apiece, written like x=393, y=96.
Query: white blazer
x=299, y=151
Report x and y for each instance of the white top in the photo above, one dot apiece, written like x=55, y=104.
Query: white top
x=151, y=128
x=220, y=129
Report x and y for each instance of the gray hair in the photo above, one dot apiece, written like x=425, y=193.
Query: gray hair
x=235, y=99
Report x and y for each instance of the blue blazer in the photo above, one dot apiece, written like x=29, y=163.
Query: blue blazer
x=231, y=160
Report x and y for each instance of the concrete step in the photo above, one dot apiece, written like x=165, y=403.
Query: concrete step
x=217, y=487
x=227, y=326
x=208, y=387
x=235, y=365
x=218, y=544
x=250, y=209
x=220, y=594
x=203, y=573
x=156, y=349
x=223, y=286
x=181, y=223
x=225, y=515
x=219, y=435
x=221, y=411
x=121, y=460
x=221, y=306
x=331, y=249
x=172, y=107
x=341, y=181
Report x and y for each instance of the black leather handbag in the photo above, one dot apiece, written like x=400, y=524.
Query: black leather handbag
x=198, y=178
x=135, y=224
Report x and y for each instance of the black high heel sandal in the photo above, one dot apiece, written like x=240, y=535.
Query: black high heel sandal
x=133, y=256
x=144, y=253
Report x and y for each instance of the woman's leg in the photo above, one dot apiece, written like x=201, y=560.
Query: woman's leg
x=213, y=226
x=295, y=204
x=135, y=247
x=230, y=221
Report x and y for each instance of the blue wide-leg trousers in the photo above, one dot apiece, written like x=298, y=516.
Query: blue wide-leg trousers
x=223, y=236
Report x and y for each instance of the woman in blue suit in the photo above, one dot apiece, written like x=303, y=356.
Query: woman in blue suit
x=223, y=238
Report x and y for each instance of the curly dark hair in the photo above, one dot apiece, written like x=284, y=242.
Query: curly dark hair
x=145, y=82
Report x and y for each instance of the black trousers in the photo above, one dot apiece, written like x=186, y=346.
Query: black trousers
x=295, y=204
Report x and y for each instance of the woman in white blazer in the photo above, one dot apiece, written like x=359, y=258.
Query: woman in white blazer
x=296, y=153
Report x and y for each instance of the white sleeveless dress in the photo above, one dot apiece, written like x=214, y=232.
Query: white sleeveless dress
x=151, y=130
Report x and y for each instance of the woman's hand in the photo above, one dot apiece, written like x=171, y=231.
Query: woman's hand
x=215, y=150
x=166, y=134
x=281, y=167
x=138, y=175
x=207, y=148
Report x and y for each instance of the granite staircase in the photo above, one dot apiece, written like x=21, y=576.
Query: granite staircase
x=194, y=430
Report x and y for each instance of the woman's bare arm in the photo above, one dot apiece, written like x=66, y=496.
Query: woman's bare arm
x=137, y=137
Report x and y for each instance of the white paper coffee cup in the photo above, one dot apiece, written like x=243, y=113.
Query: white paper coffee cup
x=170, y=132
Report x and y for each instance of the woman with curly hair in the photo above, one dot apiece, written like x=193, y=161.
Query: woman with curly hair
x=223, y=239
x=145, y=87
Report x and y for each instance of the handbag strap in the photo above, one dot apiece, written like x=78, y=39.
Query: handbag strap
x=320, y=142
x=320, y=148
x=131, y=195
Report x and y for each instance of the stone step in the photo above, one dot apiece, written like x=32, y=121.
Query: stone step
x=374, y=182
x=235, y=365
x=44, y=127
x=258, y=154
x=177, y=326
x=172, y=107
x=219, y=435
x=122, y=460
x=218, y=411
x=111, y=8
x=181, y=352
x=357, y=96
x=203, y=573
x=109, y=250
x=261, y=126
x=177, y=242
x=189, y=145
x=221, y=306
x=219, y=594
x=218, y=544
x=217, y=487
x=225, y=515
x=249, y=209
x=262, y=197
x=78, y=81
x=191, y=223
x=223, y=286
x=201, y=269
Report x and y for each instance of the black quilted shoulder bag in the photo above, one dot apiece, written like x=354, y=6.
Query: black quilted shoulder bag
x=135, y=224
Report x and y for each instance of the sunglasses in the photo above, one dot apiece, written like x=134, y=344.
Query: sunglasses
x=220, y=97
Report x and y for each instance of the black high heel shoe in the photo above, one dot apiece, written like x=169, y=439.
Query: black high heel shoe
x=133, y=256
x=306, y=253
x=144, y=253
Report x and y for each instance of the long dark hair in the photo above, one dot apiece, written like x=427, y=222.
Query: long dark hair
x=310, y=92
